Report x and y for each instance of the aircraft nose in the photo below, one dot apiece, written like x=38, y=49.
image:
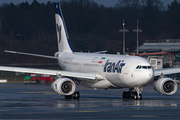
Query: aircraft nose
x=148, y=76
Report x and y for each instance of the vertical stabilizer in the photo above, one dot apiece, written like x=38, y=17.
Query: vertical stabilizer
x=62, y=35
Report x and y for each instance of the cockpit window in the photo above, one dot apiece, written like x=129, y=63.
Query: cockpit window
x=137, y=67
x=143, y=67
x=149, y=67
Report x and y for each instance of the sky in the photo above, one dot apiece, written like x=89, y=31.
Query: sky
x=107, y=3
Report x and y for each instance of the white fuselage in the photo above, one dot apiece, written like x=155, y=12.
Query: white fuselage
x=119, y=71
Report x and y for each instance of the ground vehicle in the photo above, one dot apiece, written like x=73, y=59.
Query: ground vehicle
x=38, y=80
x=41, y=80
x=27, y=80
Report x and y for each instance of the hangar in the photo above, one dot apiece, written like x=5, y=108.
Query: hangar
x=168, y=49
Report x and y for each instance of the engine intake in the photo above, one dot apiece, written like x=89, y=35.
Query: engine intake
x=165, y=86
x=64, y=86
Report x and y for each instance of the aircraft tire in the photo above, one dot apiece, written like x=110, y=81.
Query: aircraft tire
x=76, y=95
x=136, y=97
x=68, y=97
x=126, y=95
x=140, y=97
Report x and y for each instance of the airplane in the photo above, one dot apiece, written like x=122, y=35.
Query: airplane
x=100, y=71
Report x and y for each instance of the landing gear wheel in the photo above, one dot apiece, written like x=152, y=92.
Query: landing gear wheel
x=126, y=95
x=76, y=95
x=140, y=97
x=68, y=96
x=133, y=95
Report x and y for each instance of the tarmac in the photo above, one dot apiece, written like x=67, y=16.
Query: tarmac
x=19, y=101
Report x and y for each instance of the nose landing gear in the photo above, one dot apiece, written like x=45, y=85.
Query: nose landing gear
x=133, y=95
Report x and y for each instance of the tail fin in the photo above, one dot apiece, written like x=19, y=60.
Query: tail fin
x=62, y=35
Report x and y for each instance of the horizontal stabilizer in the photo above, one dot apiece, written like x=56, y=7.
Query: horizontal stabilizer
x=100, y=52
x=30, y=54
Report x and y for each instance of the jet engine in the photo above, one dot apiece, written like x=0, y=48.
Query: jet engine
x=64, y=86
x=165, y=86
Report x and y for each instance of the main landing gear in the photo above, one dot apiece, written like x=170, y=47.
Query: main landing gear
x=75, y=95
x=133, y=95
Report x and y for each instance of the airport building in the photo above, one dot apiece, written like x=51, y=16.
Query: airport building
x=166, y=49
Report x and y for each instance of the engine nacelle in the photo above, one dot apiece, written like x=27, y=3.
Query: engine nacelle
x=64, y=86
x=165, y=86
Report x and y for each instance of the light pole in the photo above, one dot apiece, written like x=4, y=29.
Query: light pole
x=123, y=31
x=137, y=30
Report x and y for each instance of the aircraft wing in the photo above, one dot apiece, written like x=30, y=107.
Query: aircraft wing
x=166, y=71
x=82, y=76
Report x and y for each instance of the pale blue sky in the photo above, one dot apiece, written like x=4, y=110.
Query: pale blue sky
x=107, y=3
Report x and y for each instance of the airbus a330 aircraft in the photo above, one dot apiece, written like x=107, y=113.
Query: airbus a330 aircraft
x=102, y=71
